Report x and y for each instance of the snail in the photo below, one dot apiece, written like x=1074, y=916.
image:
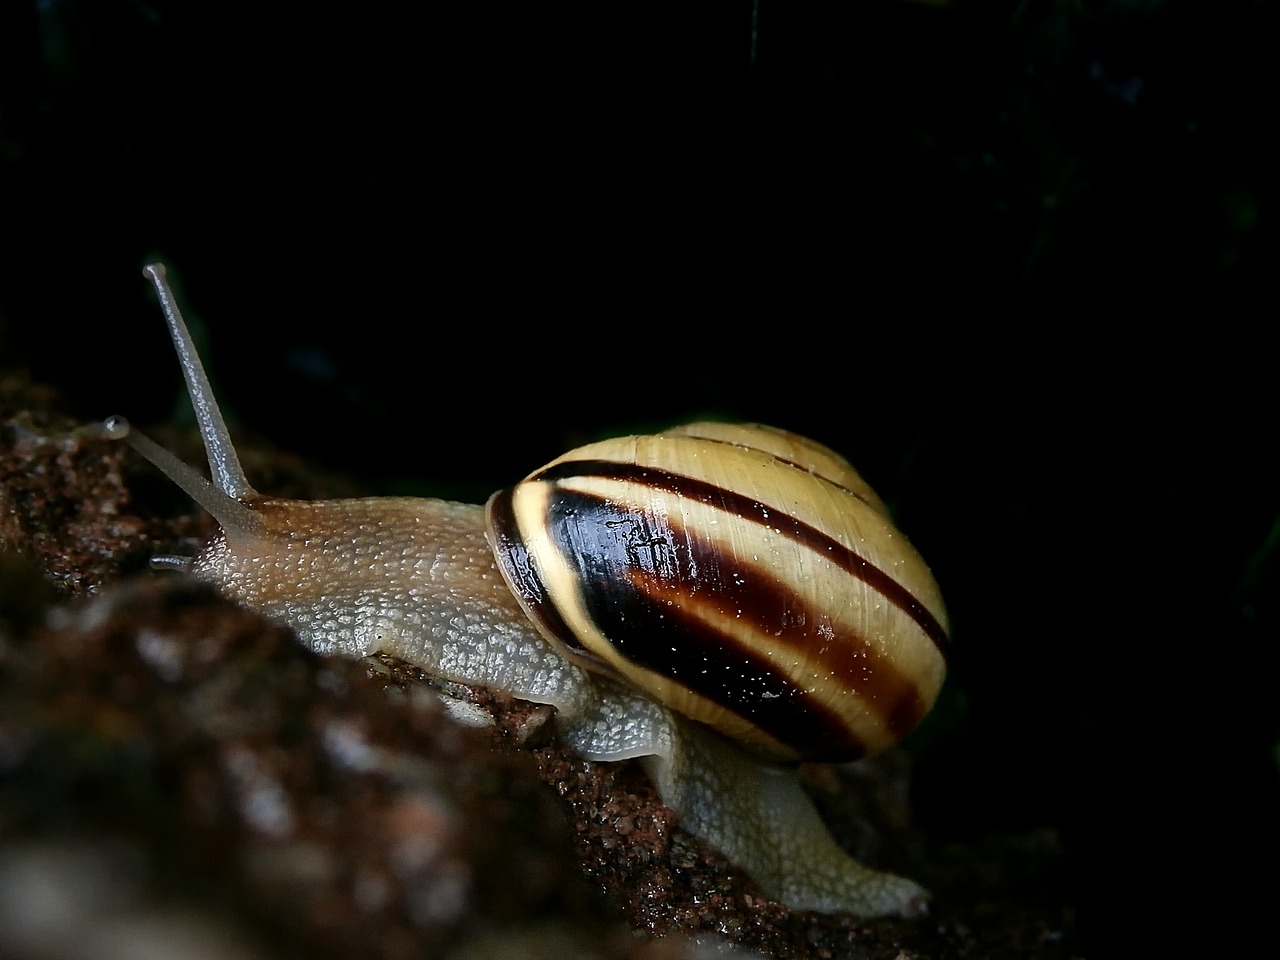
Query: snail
x=718, y=600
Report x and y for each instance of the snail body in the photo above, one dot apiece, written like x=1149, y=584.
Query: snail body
x=716, y=600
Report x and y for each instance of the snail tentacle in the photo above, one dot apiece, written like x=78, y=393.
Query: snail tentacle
x=237, y=521
x=228, y=476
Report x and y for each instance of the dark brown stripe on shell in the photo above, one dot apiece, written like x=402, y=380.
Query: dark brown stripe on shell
x=789, y=712
x=511, y=552
x=737, y=683
x=786, y=524
x=657, y=591
x=781, y=459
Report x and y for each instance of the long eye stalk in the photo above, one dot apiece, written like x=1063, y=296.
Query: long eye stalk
x=225, y=497
x=223, y=462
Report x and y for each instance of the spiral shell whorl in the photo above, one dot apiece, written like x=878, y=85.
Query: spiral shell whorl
x=730, y=577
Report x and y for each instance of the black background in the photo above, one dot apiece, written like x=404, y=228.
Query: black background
x=1015, y=260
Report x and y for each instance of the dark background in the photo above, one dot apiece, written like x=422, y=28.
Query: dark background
x=1016, y=260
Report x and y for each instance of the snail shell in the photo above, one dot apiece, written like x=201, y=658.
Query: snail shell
x=741, y=576
x=744, y=576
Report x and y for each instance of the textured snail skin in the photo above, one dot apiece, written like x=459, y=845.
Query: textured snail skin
x=418, y=579
x=437, y=600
